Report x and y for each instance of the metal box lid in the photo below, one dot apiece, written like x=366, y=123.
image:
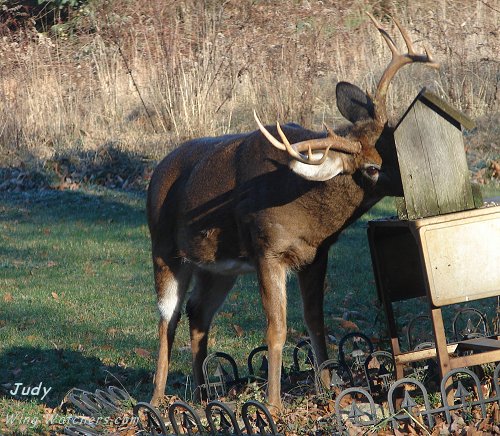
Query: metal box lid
x=461, y=256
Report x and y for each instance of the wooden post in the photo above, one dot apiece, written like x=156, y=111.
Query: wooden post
x=442, y=349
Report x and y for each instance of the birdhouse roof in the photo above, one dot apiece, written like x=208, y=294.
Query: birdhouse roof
x=442, y=107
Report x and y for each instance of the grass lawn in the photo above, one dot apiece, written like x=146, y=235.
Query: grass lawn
x=77, y=306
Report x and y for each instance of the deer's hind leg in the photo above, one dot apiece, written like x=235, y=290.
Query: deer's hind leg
x=171, y=283
x=312, y=285
x=209, y=292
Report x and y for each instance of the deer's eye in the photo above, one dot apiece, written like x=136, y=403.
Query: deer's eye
x=371, y=171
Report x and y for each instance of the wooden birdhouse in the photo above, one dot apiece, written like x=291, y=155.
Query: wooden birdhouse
x=445, y=244
x=432, y=159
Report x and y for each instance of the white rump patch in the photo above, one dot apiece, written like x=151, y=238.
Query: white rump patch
x=169, y=301
x=331, y=167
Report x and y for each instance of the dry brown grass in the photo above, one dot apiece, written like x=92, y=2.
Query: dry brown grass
x=200, y=69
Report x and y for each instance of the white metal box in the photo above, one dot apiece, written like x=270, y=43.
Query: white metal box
x=450, y=258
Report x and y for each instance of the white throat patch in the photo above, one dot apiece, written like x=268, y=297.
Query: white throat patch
x=331, y=167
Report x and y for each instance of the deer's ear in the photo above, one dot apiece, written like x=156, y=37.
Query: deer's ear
x=353, y=103
x=332, y=166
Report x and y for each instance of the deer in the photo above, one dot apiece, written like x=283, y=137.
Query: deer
x=269, y=202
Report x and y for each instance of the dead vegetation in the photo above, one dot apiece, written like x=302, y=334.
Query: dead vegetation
x=145, y=75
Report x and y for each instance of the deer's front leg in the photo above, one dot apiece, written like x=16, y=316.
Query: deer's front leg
x=272, y=279
x=312, y=283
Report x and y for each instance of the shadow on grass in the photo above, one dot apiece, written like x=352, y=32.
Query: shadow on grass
x=44, y=234
x=92, y=205
x=61, y=370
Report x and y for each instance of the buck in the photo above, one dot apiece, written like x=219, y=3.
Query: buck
x=270, y=201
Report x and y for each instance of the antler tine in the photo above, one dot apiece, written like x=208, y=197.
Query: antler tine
x=266, y=133
x=426, y=58
x=406, y=36
x=398, y=60
x=383, y=32
x=432, y=63
x=332, y=141
x=297, y=155
x=310, y=153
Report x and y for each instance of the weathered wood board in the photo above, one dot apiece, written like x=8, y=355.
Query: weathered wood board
x=432, y=159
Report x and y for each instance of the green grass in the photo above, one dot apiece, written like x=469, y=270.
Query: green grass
x=76, y=294
x=77, y=307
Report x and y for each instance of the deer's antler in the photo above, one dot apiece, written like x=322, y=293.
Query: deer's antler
x=398, y=60
x=332, y=141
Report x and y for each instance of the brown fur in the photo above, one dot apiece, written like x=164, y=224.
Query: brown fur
x=219, y=207
x=237, y=200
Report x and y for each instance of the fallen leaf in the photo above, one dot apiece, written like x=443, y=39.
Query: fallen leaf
x=348, y=325
x=496, y=412
x=48, y=413
x=331, y=406
x=55, y=296
x=484, y=426
x=486, y=390
x=7, y=297
x=142, y=352
x=239, y=331
x=89, y=270
x=374, y=364
x=411, y=430
x=112, y=331
x=346, y=401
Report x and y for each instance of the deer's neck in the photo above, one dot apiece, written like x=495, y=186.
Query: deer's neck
x=334, y=205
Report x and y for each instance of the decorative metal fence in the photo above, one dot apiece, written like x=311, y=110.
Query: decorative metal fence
x=408, y=400
x=220, y=418
x=365, y=378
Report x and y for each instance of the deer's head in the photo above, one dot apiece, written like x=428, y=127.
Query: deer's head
x=367, y=151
